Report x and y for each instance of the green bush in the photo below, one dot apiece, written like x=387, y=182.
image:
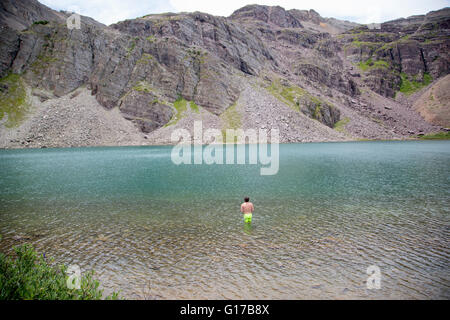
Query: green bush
x=31, y=277
x=44, y=22
x=410, y=86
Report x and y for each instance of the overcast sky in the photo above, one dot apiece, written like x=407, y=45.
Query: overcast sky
x=110, y=11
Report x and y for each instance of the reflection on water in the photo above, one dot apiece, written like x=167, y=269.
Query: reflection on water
x=159, y=231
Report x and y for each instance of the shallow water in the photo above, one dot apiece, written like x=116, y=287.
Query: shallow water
x=155, y=230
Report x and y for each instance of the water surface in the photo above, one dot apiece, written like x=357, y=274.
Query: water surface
x=155, y=230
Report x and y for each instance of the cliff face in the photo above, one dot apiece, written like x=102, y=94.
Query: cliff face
x=405, y=50
x=314, y=78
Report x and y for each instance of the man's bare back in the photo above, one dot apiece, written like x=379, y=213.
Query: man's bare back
x=247, y=207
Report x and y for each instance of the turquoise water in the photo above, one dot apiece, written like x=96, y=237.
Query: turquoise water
x=155, y=230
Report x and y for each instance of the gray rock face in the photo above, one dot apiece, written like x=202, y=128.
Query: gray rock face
x=19, y=15
x=323, y=112
x=146, y=110
x=229, y=42
x=9, y=45
x=275, y=15
x=55, y=58
x=413, y=47
x=329, y=77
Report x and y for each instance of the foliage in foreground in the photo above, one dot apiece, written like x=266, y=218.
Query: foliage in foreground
x=31, y=277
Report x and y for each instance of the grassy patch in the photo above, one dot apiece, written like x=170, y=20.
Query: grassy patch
x=436, y=136
x=287, y=95
x=408, y=86
x=13, y=100
x=362, y=44
x=143, y=86
x=197, y=55
x=180, y=106
x=42, y=62
x=194, y=107
x=317, y=112
x=294, y=97
x=359, y=44
x=369, y=64
x=43, y=22
x=340, y=125
x=145, y=59
x=231, y=119
x=151, y=39
x=132, y=47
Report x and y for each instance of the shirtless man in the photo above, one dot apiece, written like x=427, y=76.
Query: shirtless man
x=247, y=209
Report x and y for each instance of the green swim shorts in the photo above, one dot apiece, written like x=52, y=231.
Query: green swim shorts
x=247, y=217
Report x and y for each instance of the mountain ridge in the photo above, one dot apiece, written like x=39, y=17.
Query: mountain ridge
x=314, y=78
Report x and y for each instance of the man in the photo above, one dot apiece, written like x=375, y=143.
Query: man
x=247, y=209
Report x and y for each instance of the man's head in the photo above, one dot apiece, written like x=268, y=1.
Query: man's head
x=246, y=199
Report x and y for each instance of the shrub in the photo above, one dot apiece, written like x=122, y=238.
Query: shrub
x=31, y=277
x=410, y=86
x=44, y=22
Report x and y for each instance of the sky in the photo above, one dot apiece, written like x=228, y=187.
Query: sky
x=111, y=11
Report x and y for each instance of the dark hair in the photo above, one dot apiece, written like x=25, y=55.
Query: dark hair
x=246, y=199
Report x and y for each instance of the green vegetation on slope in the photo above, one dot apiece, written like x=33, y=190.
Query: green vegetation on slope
x=13, y=100
x=288, y=95
x=299, y=99
x=181, y=106
x=30, y=276
x=43, y=62
x=196, y=55
x=44, y=22
x=133, y=46
x=408, y=87
x=340, y=125
x=194, y=107
x=362, y=44
x=231, y=119
x=143, y=86
x=369, y=64
x=436, y=136
x=145, y=59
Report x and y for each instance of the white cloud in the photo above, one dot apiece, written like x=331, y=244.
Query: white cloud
x=355, y=10
x=110, y=11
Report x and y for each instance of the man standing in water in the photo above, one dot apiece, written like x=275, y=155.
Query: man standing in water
x=247, y=209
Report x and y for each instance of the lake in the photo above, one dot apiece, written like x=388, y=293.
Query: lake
x=156, y=230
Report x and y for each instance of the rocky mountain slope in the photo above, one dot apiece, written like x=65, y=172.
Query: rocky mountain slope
x=134, y=82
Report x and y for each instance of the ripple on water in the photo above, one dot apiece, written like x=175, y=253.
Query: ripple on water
x=328, y=215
